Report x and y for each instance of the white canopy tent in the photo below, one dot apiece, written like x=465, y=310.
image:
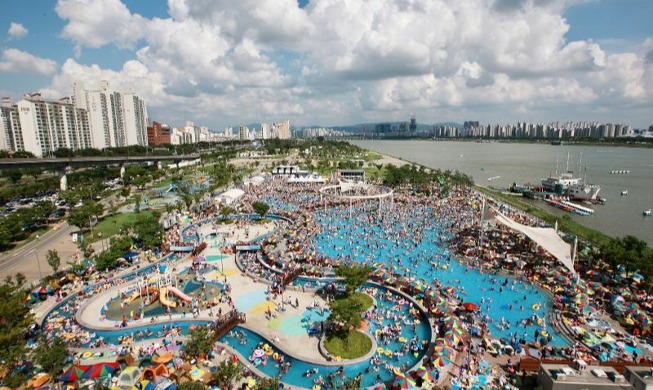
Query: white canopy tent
x=230, y=196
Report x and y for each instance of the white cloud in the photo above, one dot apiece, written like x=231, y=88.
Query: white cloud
x=17, y=31
x=18, y=61
x=96, y=23
x=352, y=61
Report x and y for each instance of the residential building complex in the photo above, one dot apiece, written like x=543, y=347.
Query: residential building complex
x=158, y=134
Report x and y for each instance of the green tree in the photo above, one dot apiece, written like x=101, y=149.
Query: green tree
x=198, y=342
x=15, y=317
x=53, y=259
x=226, y=375
x=226, y=211
x=260, y=208
x=137, y=202
x=70, y=197
x=107, y=259
x=51, y=355
x=141, y=181
x=354, y=276
x=629, y=251
x=268, y=383
x=122, y=244
x=146, y=231
x=13, y=175
x=83, y=216
x=192, y=385
x=347, y=312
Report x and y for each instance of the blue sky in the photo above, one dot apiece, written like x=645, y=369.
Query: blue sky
x=334, y=62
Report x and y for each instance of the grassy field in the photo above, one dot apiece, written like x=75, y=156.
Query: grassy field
x=110, y=225
x=363, y=298
x=353, y=345
x=565, y=224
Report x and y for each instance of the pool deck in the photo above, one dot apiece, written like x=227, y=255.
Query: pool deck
x=296, y=344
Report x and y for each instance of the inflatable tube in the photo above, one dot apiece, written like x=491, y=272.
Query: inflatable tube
x=257, y=361
x=536, y=306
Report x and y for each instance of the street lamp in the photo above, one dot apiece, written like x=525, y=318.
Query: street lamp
x=38, y=263
x=99, y=234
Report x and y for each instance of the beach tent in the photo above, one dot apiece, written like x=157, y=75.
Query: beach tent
x=547, y=238
x=230, y=196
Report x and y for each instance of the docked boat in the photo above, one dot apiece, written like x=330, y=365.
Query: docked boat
x=647, y=213
x=624, y=192
x=574, y=187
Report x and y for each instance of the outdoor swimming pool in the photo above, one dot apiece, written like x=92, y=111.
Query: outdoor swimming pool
x=295, y=375
x=429, y=259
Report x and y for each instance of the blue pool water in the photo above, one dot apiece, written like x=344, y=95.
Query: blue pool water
x=425, y=259
x=298, y=367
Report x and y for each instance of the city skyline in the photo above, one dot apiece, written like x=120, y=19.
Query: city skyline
x=332, y=62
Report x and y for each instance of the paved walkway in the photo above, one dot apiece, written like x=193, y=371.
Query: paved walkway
x=284, y=328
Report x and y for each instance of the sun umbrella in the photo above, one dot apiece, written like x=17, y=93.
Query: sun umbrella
x=425, y=374
x=401, y=382
x=38, y=380
x=101, y=370
x=73, y=374
x=440, y=361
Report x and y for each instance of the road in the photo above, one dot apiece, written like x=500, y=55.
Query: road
x=24, y=259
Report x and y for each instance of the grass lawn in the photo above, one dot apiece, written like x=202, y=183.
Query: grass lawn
x=566, y=224
x=110, y=225
x=352, y=345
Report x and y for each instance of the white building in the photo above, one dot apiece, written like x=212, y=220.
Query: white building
x=243, y=133
x=47, y=126
x=10, y=127
x=116, y=118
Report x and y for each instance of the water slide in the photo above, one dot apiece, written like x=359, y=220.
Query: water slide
x=164, y=300
x=180, y=294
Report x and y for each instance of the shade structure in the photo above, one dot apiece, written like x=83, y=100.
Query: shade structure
x=144, y=385
x=101, y=370
x=129, y=376
x=401, y=382
x=470, y=306
x=440, y=361
x=73, y=374
x=425, y=373
x=163, y=358
x=38, y=380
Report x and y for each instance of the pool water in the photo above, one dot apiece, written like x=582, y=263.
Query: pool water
x=428, y=258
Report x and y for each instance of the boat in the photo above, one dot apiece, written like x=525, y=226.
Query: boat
x=647, y=213
x=493, y=178
x=574, y=187
x=624, y=192
x=620, y=172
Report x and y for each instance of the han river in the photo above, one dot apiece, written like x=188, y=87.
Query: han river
x=530, y=163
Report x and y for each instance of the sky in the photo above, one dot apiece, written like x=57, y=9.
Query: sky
x=337, y=62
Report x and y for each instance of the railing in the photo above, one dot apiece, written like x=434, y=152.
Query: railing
x=225, y=323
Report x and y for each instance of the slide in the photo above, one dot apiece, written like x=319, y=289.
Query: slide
x=164, y=300
x=180, y=294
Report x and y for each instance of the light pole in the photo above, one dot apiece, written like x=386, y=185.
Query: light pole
x=101, y=240
x=38, y=263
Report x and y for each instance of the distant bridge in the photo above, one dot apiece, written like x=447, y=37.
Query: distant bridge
x=64, y=162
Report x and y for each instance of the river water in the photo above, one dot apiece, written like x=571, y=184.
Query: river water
x=529, y=163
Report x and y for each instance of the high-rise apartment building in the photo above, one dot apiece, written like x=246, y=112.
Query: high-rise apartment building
x=243, y=133
x=47, y=126
x=10, y=132
x=117, y=118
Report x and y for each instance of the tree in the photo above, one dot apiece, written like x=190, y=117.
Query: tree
x=15, y=317
x=137, y=203
x=107, y=259
x=51, y=355
x=13, y=175
x=347, y=312
x=269, y=383
x=226, y=211
x=70, y=197
x=192, y=385
x=260, y=208
x=199, y=342
x=354, y=276
x=53, y=259
x=227, y=373
x=83, y=216
x=122, y=244
x=628, y=251
x=146, y=231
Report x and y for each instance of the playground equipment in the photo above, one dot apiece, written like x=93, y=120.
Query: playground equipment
x=167, y=283
x=145, y=290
